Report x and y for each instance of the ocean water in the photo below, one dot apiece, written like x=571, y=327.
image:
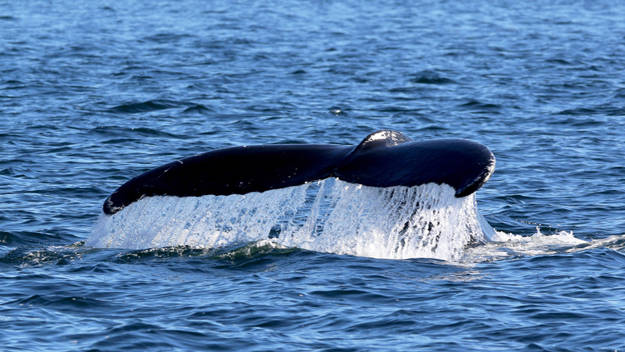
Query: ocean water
x=93, y=94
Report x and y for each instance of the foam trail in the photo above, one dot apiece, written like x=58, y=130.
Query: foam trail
x=332, y=216
x=504, y=245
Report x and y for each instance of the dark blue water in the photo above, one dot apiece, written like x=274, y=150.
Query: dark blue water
x=93, y=94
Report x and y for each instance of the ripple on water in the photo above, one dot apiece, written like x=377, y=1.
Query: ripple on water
x=479, y=106
x=117, y=131
x=430, y=77
x=142, y=107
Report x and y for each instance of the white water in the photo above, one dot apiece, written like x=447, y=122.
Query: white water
x=504, y=245
x=327, y=216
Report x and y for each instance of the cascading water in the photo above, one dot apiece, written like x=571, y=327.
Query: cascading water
x=329, y=216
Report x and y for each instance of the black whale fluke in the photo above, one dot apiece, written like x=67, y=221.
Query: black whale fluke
x=382, y=159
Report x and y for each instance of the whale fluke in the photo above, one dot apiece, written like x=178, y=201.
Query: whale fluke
x=383, y=159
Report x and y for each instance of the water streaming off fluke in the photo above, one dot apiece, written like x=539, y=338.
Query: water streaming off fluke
x=327, y=216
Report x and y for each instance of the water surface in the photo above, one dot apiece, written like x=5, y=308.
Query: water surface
x=93, y=94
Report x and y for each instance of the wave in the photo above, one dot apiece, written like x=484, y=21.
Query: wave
x=479, y=106
x=430, y=77
x=117, y=131
x=326, y=216
x=146, y=106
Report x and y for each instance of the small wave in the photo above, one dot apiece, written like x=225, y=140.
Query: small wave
x=14, y=84
x=430, y=77
x=581, y=111
x=26, y=238
x=58, y=255
x=196, y=108
x=67, y=303
x=605, y=109
x=619, y=93
x=124, y=141
x=559, y=61
x=400, y=109
x=9, y=171
x=146, y=106
x=431, y=128
x=66, y=191
x=578, y=121
x=478, y=106
x=410, y=90
x=165, y=37
x=116, y=131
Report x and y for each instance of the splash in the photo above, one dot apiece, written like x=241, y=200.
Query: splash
x=505, y=245
x=331, y=215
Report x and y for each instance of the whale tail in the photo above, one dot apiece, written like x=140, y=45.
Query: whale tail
x=383, y=159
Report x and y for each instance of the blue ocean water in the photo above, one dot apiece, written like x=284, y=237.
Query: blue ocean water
x=93, y=94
